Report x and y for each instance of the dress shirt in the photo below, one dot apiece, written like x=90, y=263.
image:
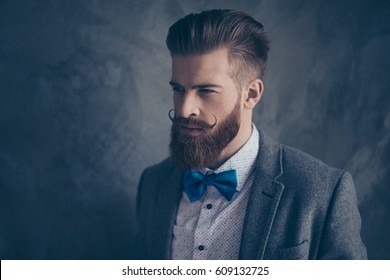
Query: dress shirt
x=211, y=227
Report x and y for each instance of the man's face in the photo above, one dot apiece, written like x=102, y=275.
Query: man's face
x=208, y=108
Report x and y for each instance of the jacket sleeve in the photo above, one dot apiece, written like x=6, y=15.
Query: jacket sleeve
x=140, y=237
x=341, y=233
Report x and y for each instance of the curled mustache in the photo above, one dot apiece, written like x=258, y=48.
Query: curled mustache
x=191, y=121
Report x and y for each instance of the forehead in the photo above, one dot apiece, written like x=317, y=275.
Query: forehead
x=210, y=67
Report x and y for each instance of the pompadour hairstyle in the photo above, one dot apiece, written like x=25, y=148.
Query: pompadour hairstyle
x=243, y=36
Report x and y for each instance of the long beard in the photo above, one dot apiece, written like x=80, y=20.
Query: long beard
x=193, y=152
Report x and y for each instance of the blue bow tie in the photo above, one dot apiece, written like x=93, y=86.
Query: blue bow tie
x=195, y=183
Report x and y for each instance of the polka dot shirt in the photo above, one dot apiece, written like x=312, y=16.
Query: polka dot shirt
x=211, y=227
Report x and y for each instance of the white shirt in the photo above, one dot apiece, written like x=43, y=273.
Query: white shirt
x=211, y=227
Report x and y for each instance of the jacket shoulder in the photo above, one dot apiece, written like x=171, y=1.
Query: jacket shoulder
x=301, y=167
x=153, y=175
x=162, y=168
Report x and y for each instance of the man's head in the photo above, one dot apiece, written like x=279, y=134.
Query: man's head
x=244, y=37
x=218, y=58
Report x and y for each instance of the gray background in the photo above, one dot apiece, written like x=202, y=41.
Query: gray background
x=84, y=98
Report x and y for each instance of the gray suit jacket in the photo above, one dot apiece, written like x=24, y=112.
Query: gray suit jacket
x=299, y=208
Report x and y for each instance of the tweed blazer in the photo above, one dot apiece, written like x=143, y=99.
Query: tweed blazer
x=298, y=208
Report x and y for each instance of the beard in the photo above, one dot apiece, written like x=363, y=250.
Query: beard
x=194, y=152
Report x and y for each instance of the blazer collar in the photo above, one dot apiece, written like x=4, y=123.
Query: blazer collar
x=263, y=200
x=269, y=158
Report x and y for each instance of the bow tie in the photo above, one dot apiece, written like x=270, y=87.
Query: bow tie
x=195, y=183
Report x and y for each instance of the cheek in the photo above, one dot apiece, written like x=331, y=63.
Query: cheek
x=227, y=106
x=177, y=99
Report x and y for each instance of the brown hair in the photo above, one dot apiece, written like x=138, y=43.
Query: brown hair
x=247, y=42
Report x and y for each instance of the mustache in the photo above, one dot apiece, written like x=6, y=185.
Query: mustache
x=192, y=121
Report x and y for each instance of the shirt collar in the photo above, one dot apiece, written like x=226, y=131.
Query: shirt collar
x=243, y=160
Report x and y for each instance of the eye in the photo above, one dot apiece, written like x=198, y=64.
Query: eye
x=206, y=91
x=177, y=89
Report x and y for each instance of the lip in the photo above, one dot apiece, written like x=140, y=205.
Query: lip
x=190, y=130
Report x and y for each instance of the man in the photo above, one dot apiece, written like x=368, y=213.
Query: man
x=228, y=191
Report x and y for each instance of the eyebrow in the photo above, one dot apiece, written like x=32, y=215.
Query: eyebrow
x=206, y=85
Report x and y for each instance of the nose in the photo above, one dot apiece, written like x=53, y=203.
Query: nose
x=186, y=105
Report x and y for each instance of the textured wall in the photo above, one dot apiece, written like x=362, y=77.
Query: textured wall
x=84, y=98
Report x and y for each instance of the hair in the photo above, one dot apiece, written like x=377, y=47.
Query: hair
x=243, y=36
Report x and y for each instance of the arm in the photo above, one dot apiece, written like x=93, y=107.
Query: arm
x=341, y=234
x=139, y=240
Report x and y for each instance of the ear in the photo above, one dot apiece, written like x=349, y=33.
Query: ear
x=254, y=92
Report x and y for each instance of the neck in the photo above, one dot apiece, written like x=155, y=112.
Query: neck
x=243, y=135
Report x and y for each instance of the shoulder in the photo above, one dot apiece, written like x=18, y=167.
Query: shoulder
x=157, y=172
x=152, y=178
x=303, y=176
x=299, y=164
x=311, y=178
x=287, y=164
x=163, y=167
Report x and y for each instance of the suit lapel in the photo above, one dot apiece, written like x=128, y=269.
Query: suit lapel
x=263, y=200
x=261, y=209
x=165, y=214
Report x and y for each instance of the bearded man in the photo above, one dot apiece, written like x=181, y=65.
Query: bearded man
x=228, y=191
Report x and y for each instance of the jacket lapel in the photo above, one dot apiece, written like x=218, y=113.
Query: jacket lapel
x=263, y=200
x=166, y=210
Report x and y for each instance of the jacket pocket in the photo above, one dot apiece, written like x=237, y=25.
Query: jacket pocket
x=299, y=252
